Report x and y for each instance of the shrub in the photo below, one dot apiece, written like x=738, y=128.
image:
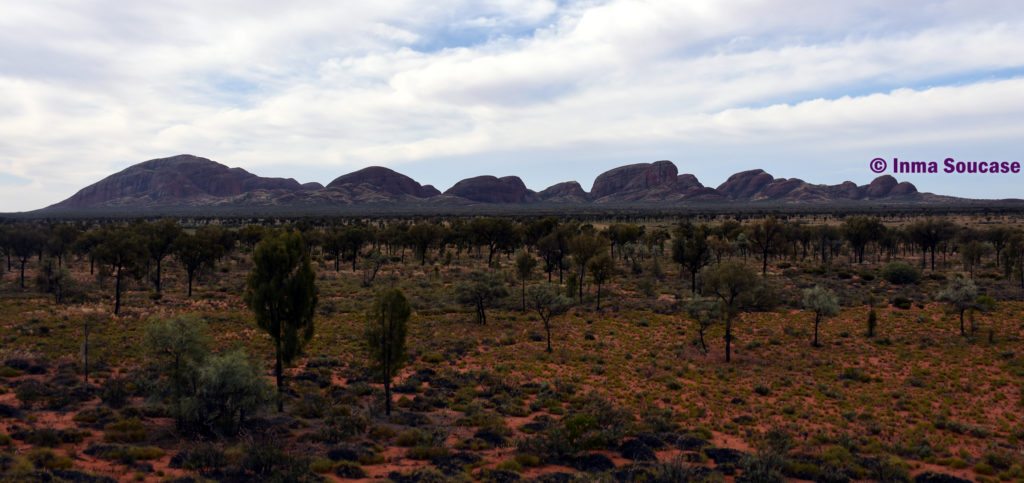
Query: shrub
x=115, y=392
x=902, y=303
x=44, y=458
x=229, y=387
x=125, y=431
x=202, y=457
x=901, y=273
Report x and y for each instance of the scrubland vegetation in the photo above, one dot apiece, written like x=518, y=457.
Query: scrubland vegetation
x=813, y=348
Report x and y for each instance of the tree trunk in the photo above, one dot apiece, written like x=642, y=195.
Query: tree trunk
x=190, y=274
x=598, y=297
x=547, y=327
x=279, y=375
x=817, y=320
x=23, y=273
x=387, y=380
x=524, y=295
x=583, y=273
x=728, y=339
x=85, y=354
x=158, y=266
x=962, y=332
x=117, y=292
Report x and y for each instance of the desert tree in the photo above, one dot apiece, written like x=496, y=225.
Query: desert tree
x=971, y=254
x=536, y=229
x=159, y=238
x=928, y=235
x=872, y=318
x=89, y=320
x=250, y=235
x=53, y=279
x=525, y=264
x=176, y=349
x=228, y=386
x=332, y=243
x=999, y=237
x=422, y=236
x=584, y=247
x=60, y=240
x=5, y=249
x=691, y=250
x=823, y=303
x=960, y=294
x=602, y=268
x=827, y=237
x=121, y=254
x=705, y=311
x=23, y=242
x=494, y=233
x=861, y=230
x=372, y=264
x=621, y=234
x=1013, y=259
x=195, y=252
x=766, y=235
x=481, y=290
x=85, y=246
x=281, y=291
x=728, y=281
x=385, y=336
x=552, y=248
x=548, y=303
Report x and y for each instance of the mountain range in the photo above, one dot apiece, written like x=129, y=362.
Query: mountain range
x=190, y=183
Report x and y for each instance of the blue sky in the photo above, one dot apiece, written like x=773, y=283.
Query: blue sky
x=546, y=90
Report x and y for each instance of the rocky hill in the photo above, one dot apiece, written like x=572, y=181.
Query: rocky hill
x=191, y=182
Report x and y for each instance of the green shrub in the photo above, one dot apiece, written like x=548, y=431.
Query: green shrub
x=46, y=459
x=410, y=438
x=901, y=273
x=229, y=387
x=125, y=431
x=902, y=303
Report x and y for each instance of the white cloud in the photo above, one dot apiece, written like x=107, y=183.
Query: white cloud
x=296, y=88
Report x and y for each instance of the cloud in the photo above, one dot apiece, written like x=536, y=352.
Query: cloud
x=313, y=89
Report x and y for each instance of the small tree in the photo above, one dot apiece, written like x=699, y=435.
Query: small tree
x=160, y=238
x=24, y=241
x=728, y=281
x=525, y=264
x=385, y=335
x=584, y=247
x=53, y=278
x=371, y=265
x=705, y=312
x=195, y=252
x=961, y=295
x=548, y=303
x=872, y=322
x=690, y=249
x=481, y=291
x=823, y=303
x=122, y=255
x=281, y=291
x=177, y=348
x=602, y=267
x=228, y=387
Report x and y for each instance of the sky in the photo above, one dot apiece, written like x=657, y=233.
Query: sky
x=546, y=90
